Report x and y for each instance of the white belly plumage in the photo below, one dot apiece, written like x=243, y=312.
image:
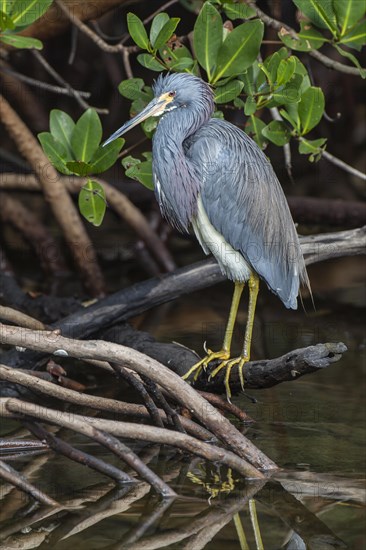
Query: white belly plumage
x=231, y=261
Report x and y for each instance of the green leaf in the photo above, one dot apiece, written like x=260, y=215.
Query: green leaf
x=314, y=148
x=6, y=6
x=312, y=36
x=348, y=12
x=302, y=71
x=137, y=31
x=239, y=103
x=92, y=202
x=55, y=152
x=253, y=128
x=290, y=93
x=62, y=127
x=25, y=12
x=5, y=22
x=320, y=12
x=248, y=78
x=86, y=136
x=277, y=132
x=182, y=64
x=131, y=88
x=356, y=37
x=207, y=38
x=354, y=59
x=21, y=41
x=80, y=168
x=307, y=39
x=137, y=105
x=139, y=171
x=293, y=120
x=285, y=70
x=166, y=32
x=149, y=61
x=156, y=26
x=310, y=108
x=178, y=57
x=219, y=115
x=149, y=125
x=250, y=106
x=269, y=68
x=239, y=50
x=238, y=11
x=226, y=93
x=129, y=162
x=106, y=156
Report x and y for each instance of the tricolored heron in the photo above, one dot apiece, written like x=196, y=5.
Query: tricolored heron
x=212, y=176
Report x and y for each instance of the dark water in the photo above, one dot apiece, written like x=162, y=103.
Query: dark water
x=313, y=428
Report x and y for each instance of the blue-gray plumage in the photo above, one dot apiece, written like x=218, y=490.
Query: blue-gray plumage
x=212, y=176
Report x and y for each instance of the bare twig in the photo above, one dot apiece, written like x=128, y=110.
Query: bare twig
x=12, y=445
x=331, y=158
x=126, y=151
x=44, y=85
x=182, y=392
x=65, y=84
x=163, y=7
x=159, y=399
x=286, y=148
x=18, y=480
x=224, y=405
x=77, y=455
x=159, y=10
x=117, y=48
x=58, y=197
x=98, y=40
x=90, y=426
x=343, y=165
x=19, y=318
x=136, y=383
x=279, y=25
x=126, y=63
x=50, y=389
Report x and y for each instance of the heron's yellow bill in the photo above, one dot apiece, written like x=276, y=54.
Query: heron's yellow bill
x=156, y=107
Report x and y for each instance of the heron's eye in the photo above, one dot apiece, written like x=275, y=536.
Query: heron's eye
x=171, y=94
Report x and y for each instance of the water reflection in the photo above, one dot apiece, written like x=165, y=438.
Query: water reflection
x=215, y=509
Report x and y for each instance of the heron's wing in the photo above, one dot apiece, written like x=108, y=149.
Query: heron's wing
x=244, y=201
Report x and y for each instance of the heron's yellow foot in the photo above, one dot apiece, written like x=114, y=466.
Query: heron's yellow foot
x=228, y=364
x=203, y=364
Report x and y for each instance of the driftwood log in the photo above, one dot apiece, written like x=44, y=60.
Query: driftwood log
x=257, y=374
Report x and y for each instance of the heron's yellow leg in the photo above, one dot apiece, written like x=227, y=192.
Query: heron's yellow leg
x=224, y=353
x=253, y=295
x=255, y=525
x=253, y=284
x=240, y=532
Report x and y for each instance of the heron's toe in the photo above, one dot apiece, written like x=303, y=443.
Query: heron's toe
x=204, y=363
x=228, y=364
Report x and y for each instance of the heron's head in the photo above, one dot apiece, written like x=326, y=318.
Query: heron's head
x=173, y=91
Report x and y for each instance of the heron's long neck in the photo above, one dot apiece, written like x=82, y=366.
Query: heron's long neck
x=177, y=185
